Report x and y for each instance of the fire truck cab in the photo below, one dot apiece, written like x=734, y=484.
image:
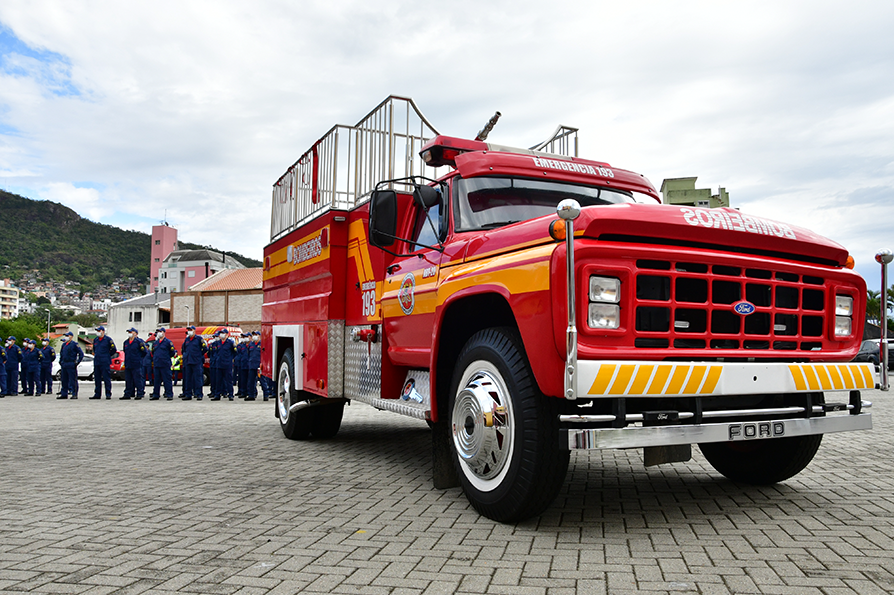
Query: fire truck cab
x=527, y=302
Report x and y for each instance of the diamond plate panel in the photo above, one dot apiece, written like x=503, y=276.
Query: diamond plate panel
x=362, y=367
x=336, y=347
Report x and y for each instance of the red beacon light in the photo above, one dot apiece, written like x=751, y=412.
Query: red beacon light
x=442, y=150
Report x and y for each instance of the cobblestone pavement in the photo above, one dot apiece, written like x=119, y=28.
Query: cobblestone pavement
x=201, y=497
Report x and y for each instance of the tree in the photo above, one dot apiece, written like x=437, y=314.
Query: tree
x=873, y=307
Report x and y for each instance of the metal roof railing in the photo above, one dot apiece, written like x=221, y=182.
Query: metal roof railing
x=342, y=168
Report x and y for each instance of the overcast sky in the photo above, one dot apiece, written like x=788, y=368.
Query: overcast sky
x=124, y=110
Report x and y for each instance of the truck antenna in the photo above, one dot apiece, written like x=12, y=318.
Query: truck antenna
x=488, y=127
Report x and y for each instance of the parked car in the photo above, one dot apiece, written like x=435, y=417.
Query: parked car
x=85, y=368
x=117, y=366
x=869, y=352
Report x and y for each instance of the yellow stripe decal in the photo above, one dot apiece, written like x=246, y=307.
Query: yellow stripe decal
x=642, y=379
x=798, y=377
x=812, y=381
x=836, y=377
x=677, y=379
x=711, y=382
x=867, y=376
x=659, y=380
x=823, y=376
x=848, y=377
x=620, y=385
x=606, y=371
x=695, y=380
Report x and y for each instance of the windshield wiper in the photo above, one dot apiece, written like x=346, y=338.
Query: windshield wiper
x=495, y=224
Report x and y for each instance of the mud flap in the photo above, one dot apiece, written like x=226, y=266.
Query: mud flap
x=658, y=455
x=443, y=470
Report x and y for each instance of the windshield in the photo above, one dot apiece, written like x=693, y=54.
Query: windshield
x=491, y=202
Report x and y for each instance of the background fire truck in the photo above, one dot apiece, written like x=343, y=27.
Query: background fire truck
x=455, y=300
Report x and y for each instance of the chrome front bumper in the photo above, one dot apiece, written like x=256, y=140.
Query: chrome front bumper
x=730, y=431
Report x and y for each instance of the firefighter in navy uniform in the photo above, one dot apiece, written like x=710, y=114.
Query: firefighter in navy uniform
x=134, y=349
x=103, y=351
x=226, y=353
x=213, y=353
x=31, y=358
x=147, y=359
x=253, y=363
x=2, y=371
x=193, y=351
x=13, y=358
x=70, y=355
x=242, y=366
x=46, y=366
x=162, y=353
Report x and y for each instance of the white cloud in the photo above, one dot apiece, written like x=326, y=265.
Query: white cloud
x=85, y=201
x=198, y=107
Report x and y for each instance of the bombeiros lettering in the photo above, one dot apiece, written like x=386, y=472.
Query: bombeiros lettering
x=305, y=250
x=720, y=219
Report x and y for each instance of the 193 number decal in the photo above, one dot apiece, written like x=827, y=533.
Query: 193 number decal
x=368, y=297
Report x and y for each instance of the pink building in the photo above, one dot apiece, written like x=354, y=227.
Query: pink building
x=164, y=241
x=181, y=269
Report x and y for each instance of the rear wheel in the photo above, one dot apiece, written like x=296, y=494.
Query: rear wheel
x=505, y=432
x=762, y=462
x=295, y=424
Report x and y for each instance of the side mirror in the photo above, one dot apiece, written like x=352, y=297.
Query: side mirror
x=426, y=196
x=382, y=218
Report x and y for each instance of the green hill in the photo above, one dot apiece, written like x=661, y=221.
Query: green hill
x=52, y=238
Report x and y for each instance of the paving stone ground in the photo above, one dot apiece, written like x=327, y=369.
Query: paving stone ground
x=201, y=497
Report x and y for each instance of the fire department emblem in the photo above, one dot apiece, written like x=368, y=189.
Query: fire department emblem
x=406, y=297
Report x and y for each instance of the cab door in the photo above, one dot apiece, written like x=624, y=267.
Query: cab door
x=411, y=283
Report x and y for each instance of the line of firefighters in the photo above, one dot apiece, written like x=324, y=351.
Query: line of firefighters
x=157, y=359
x=36, y=367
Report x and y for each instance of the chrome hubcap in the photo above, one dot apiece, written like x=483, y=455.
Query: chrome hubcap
x=285, y=388
x=482, y=425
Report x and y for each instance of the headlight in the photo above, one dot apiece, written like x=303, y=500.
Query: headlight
x=844, y=305
x=604, y=316
x=842, y=326
x=605, y=289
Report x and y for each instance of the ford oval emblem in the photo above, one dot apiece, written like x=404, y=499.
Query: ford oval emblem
x=744, y=308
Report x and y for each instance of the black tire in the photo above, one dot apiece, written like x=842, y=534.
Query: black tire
x=762, y=462
x=326, y=420
x=295, y=424
x=90, y=377
x=513, y=469
x=206, y=378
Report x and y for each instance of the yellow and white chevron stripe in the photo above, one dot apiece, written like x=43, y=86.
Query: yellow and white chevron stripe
x=661, y=379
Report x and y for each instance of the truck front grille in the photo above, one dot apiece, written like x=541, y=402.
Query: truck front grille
x=686, y=305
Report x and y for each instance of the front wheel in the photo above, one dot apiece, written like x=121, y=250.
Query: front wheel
x=295, y=424
x=762, y=462
x=505, y=432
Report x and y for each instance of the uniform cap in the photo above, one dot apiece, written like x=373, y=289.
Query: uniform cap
x=68, y=334
x=132, y=330
x=11, y=339
x=224, y=331
x=45, y=340
x=159, y=330
x=256, y=333
x=100, y=328
x=190, y=328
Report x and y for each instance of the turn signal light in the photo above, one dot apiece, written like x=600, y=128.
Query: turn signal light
x=557, y=230
x=850, y=262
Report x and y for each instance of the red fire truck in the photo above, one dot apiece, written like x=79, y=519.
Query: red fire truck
x=527, y=302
